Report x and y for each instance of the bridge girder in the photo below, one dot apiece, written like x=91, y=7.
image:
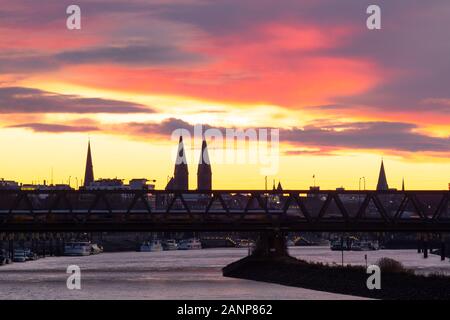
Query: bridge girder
x=224, y=210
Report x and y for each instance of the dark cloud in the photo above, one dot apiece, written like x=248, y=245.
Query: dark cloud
x=34, y=14
x=323, y=140
x=141, y=55
x=164, y=128
x=133, y=55
x=31, y=63
x=395, y=136
x=424, y=93
x=221, y=17
x=28, y=100
x=309, y=153
x=410, y=53
x=54, y=128
x=224, y=17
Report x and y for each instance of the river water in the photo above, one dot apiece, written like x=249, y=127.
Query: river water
x=176, y=275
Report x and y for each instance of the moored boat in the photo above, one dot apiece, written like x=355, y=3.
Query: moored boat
x=77, y=248
x=190, y=244
x=151, y=246
x=96, y=249
x=170, y=244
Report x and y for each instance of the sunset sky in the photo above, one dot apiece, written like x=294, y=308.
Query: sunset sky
x=342, y=96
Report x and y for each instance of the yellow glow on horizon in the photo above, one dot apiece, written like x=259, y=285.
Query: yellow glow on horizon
x=31, y=157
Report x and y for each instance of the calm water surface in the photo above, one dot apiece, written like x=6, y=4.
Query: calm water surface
x=176, y=275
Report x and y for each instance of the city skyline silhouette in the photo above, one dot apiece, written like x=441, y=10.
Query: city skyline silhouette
x=340, y=97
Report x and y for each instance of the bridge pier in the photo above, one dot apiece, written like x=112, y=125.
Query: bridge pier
x=11, y=246
x=34, y=246
x=21, y=241
x=270, y=250
x=50, y=245
x=425, y=247
x=271, y=244
x=63, y=242
x=43, y=242
x=58, y=245
x=419, y=245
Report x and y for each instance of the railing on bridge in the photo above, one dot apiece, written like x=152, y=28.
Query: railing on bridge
x=251, y=210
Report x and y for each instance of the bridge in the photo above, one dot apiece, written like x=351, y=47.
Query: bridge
x=223, y=210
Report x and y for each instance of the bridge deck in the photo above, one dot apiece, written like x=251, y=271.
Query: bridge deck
x=224, y=210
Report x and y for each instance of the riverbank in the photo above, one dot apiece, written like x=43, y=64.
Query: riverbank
x=349, y=280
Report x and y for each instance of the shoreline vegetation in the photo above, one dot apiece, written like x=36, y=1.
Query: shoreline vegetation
x=397, y=283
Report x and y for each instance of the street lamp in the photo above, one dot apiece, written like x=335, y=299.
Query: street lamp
x=364, y=179
x=359, y=195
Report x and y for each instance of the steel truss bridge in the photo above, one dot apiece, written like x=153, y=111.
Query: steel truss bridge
x=223, y=210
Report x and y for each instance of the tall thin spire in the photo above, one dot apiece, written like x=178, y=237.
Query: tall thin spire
x=89, y=172
x=204, y=172
x=279, y=187
x=181, y=173
x=403, y=184
x=382, y=181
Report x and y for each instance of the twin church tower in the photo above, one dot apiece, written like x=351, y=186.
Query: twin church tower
x=180, y=179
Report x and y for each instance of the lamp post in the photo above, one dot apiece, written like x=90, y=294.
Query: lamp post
x=359, y=184
x=364, y=180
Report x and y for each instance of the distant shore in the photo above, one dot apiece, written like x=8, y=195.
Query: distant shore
x=349, y=280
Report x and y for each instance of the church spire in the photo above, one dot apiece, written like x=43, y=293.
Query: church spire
x=89, y=172
x=382, y=181
x=279, y=187
x=204, y=172
x=181, y=173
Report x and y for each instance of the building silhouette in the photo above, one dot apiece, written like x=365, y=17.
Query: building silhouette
x=382, y=184
x=204, y=172
x=170, y=184
x=89, y=172
x=180, y=180
x=279, y=187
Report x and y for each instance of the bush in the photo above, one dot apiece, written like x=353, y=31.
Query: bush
x=391, y=266
x=438, y=274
